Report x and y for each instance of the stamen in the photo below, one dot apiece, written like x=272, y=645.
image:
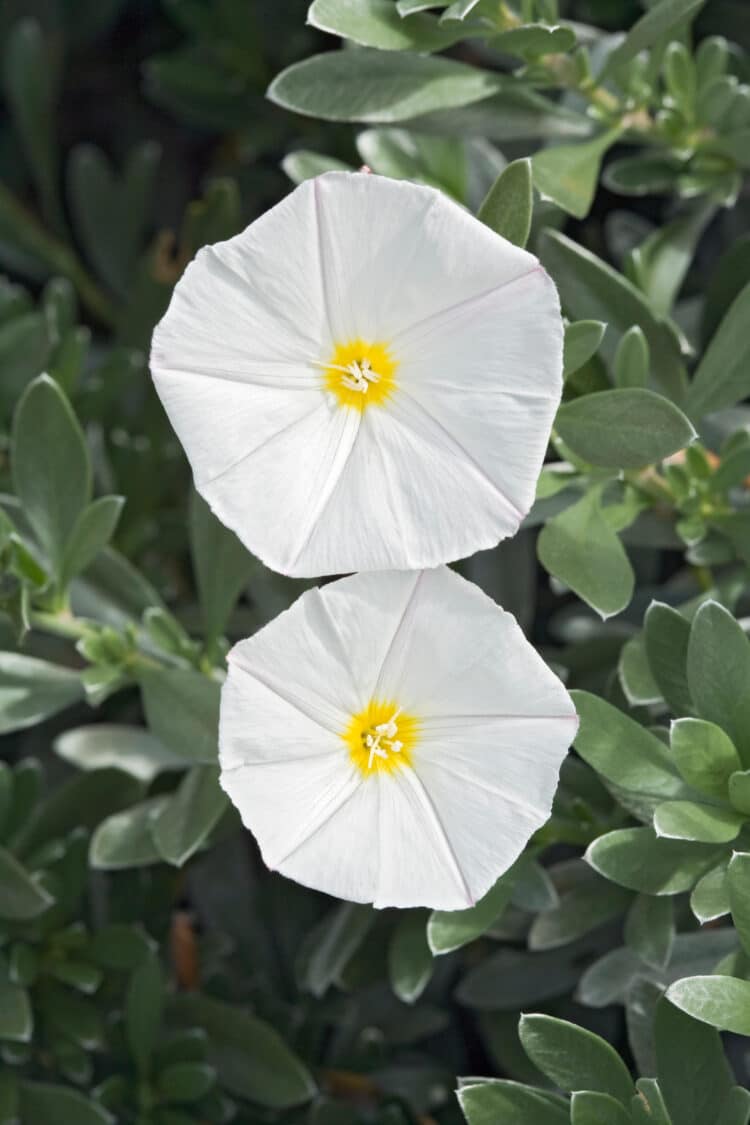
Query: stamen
x=384, y=741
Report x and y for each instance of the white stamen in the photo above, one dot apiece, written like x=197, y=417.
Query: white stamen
x=384, y=741
x=358, y=375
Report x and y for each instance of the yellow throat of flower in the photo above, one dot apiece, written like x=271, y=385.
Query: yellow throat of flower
x=360, y=374
x=381, y=738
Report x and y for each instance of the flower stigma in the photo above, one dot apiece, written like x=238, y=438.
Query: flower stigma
x=360, y=374
x=381, y=738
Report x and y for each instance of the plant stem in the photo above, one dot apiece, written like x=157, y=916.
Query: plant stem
x=59, y=624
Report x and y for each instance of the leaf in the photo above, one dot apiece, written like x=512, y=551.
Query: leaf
x=710, y=897
x=623, y=751
x=376, y=23
x=591, y=289
x=722, y=1002
x=410, y=962
x=739, y=791
x=534, y=40
x=586, y=902
x=574, y=1058
x=738, y=885
x=24, y=352
x=109, y=210
x=303, y=164
x=251, y=1058
x=638, y=859
x=48, y=1104
x=185, y=1082
x=222, y=567
x=119, y=946
x=662, y=261
x=508, y=205
x=487, y=1103
x=16, y=1017
x=704, y=755
x=31, y=690
x=582, y=340
x=459, y=10
x=91, y=533
x=648, y=1105
x=635, y=676
x=403, y=154
x=569, y=174
x=693, y=1094
x=124, y=840
x=79, y=802
x=451, y=929
x=144, y=1008
x=20, y=896
x=189, y=815
x=718, y=671
x=666, y=634
x=51, y=469
x=730, y=276
x=650, y=929
x=722, y=376
x=182, y=710
x=632, y=360
x=623, y=429
x=686, y=820
x=408, y=7
x=113, y=591
x=130, y=749
x=377, y=86
x=533, y=889
x=662, y=19
x=736, y=1107
x=590, y=1108
x=580, y=548
x=32, y=75
x=511, y=979
x=340, y=936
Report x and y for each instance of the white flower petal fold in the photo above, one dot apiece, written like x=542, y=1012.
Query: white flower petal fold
x=393, y=738
x=364, y=379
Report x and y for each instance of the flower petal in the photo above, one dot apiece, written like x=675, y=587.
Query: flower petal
x=322, y=658
x=417, y=862
x=483, y=665
x=395, y=253
x=410, y=497
x=491, y=377
x=287, y=804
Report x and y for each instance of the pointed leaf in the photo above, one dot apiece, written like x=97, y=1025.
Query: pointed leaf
x=509, y=203
x=410, y=961
x=189, y=815
x=580, y=548
x=51, y=469
x=718, y=669
x=20, y=896
x=379, y=86
x=569, y=174
x=451, y=929
x=575, y=1058
x=638, y=859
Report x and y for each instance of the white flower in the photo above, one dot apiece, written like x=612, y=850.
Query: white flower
x=393, y=738
x=364, y=379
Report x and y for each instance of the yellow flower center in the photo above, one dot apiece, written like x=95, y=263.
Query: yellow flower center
x=360, y=374
x=381, y=738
